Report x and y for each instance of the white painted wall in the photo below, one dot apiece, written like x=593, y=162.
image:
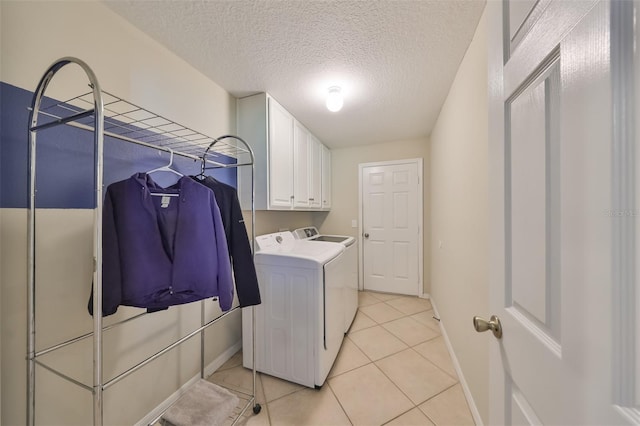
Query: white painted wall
x=459, y=216
x=131, y=65
x=1, y=49
x=344, y=164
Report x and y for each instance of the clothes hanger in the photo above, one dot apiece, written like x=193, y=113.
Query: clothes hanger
x=166, y=168
x=203, y=160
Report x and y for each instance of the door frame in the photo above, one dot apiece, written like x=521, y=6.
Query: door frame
x=418, y=162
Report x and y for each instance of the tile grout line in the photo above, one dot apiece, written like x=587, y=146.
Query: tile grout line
x=266, y=403
x=440, y=393
x=286, y=394
x=407, y=315
x=354, y=368
x=400, y=415
x=339, y=402
x=416, y=405
x=379, y=369
x=395, y=384
x=410, y=400
x=433, y=363
x=371, y=361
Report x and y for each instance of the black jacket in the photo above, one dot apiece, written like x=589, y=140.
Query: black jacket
x=237, y=240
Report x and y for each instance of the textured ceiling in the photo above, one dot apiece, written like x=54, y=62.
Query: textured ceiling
x=395, y=60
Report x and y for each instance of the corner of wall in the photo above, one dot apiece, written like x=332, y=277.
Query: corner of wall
x=426, y=213
x=459, y=216
x=456, y=365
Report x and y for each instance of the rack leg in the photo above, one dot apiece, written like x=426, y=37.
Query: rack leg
x=256, y=407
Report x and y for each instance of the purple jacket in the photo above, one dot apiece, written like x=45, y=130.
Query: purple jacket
x=160, y=251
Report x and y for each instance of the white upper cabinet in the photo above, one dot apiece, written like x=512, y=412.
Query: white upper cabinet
x=280, y=156
x=326, y=178
x=315, y=173
x=301, y=153
x=288, y=158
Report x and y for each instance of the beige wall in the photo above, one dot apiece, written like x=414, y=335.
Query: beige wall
x=459, y=216
x=344, y=164
x=126, y=61
x=133, y=66
x=274, y=221
x=1, y=49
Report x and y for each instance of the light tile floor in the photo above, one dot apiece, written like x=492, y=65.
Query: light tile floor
x=393, y=369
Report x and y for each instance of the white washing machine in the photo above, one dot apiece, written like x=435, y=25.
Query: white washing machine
x=299, y=327
x=350, y=265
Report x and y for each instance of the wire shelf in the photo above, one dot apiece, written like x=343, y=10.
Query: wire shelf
x=127, y=121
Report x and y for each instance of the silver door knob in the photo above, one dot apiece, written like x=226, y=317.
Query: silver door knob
x=366, y=235
x=481, y=324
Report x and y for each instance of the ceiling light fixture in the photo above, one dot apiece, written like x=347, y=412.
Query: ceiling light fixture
x=334, y=99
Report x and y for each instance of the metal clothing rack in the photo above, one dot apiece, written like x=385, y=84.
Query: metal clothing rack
x=107, y=115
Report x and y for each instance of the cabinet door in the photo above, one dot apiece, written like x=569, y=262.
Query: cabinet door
x=280, y=156
x=301, y=172
x=326, y=178
x=315, y=173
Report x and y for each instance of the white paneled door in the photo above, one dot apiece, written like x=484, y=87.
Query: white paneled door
x=391, y=217
x=563, y=218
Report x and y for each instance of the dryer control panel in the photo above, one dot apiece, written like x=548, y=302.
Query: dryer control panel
x=306, y=233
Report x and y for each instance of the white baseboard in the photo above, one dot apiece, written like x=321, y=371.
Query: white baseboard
x=465, y=387
x=208, y=370
x=424, y=296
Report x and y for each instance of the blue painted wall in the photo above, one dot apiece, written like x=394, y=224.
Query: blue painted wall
x=65, y=160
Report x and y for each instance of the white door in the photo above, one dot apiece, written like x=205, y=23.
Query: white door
x=391, y=217
x=326, y=178
x=280, y=156
x=562, y=221
x=315, y=173
x=301, y=146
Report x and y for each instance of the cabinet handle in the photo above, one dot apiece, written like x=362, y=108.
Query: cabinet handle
x=311, y=199
x=291, y=197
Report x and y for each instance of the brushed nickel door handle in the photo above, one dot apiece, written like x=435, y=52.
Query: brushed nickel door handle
x=481, y=325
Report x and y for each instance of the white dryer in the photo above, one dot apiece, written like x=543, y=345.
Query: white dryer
x=349, y=274
x=299, y=327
